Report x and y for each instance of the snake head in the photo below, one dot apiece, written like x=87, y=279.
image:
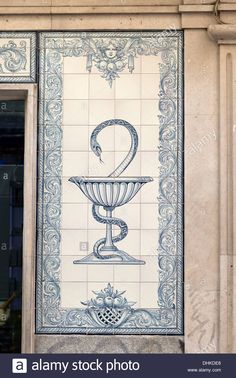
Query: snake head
x=96, y=148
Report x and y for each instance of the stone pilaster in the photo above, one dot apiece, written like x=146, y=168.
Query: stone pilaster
x=225, y=35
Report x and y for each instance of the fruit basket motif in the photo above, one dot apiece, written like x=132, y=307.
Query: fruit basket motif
x=109, y=308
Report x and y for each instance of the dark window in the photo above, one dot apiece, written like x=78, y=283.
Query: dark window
x=11, y=223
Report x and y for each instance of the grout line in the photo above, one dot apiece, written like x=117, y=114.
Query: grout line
x=108, y=151
x=101, y=281
x=88, y=214
x=62, y=166
x=138, y=125
x=140, y=168
x=114, y=154
x=99, y=229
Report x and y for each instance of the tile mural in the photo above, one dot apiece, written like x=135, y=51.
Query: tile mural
x=110, y=217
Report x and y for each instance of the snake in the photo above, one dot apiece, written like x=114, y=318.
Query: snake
x=96, y=148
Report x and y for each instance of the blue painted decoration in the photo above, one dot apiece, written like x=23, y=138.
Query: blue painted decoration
x=167, y=317
x=17, y=52
x=111, y=192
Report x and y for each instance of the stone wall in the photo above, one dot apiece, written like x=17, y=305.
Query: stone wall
x=209, y=58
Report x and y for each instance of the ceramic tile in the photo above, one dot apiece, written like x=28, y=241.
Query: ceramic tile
x=101, y=110
x=75, y=112
x=150, y=64
x=50, y=186
x=131, y=244
x=75, y=87
x=128, y=110
x=104, y=168
x=137, y=67
x=75, y=163
x=149, y=242
x=127, y=273
x=18, y=57
x=26, y=71
x=149, y=216
x=73, y=293
x=97, y=86
x=72, y=272
x=149, y=271
x=132, y=292
x=149, y=193
x=48, y=63
x=123, y=140
x=93, y=224
x=128, y=87
x=148, y=298
x=74, y=242
x=99, y=89
x=98, y=274
x=149, y=112
x=149, y=164
x=71, y=193
x=75, y=138
x=149, y=138
x=134, y=169
x=136, y=198
x=106, y=139
x=96, y=286
x=131, y=215
x=73, y=65
x=150, y=86
x=94, y=234
x=74, y=216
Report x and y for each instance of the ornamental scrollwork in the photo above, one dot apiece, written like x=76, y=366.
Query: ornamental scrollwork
x=13, y=57
x=110, y=312
x=112, y=55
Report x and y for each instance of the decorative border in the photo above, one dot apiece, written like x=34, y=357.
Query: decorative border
x=168, y=318
x=14, y=56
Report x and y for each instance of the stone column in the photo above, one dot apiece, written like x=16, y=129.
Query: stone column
x=225, y=35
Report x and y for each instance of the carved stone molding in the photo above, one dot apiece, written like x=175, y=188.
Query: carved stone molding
x=225, y=35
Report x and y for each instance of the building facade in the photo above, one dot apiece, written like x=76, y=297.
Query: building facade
x=135, y=255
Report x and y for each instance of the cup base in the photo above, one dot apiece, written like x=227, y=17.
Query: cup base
x=118, y=258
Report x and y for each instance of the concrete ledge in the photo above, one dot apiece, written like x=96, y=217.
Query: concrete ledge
x=86, y=3
x=89, y=22
x=108, y=344
x=87, y=10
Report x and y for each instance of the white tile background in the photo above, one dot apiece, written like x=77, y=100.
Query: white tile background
x=89, y=100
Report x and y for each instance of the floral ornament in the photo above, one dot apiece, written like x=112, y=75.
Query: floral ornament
x=109, y=308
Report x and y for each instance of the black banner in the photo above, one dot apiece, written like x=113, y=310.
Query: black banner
x=119, y=365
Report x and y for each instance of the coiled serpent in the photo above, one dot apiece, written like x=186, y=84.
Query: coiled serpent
x=96, y=148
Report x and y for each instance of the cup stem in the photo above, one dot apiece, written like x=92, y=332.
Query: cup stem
x=109, y=246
